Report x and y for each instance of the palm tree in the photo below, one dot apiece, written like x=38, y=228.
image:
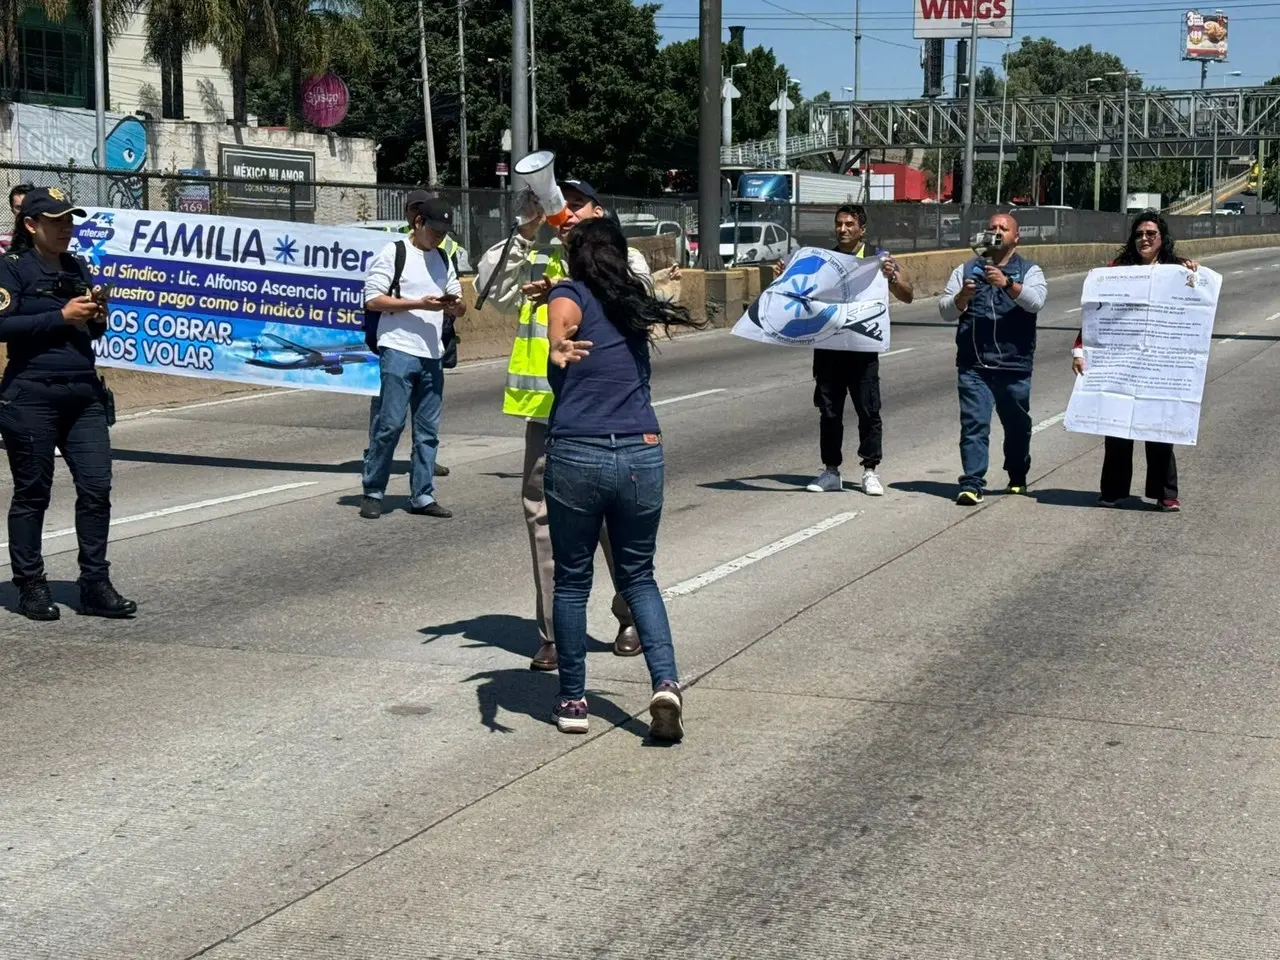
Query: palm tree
x=174, y=28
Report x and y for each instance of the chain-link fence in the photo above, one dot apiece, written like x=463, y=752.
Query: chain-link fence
x=482, y=218
x=906, y=227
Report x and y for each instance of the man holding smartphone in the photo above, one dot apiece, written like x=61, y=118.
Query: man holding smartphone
x=410, y=350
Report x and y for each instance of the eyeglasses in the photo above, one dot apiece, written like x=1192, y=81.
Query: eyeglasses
x=1153, y=234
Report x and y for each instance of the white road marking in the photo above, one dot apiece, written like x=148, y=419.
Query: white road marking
x=1046, y=424
x=187, y=507
x=204, y=403
x=1274, y=316
x=689, y=396
x=686, y=587
x=1236, y=272
x=1238, y=333
x=1075, y=309
x=894, y=353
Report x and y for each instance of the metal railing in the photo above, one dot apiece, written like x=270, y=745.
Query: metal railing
x=908, y=227
x=1163, y=124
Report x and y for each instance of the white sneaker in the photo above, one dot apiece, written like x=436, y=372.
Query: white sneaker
x=829, y=482
x=871, y=484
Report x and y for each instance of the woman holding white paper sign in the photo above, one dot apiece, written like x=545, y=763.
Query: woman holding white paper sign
x=1149, y=243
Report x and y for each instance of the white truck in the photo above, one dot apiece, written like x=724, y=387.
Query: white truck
x=1143, y=201
x=798, y=186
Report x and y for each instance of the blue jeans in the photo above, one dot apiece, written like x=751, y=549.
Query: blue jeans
x=414, y=386
x=1009, y=394
x=617, y=481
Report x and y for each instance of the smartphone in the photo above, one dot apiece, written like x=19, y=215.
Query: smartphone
x=447, y=298
x=103, y=294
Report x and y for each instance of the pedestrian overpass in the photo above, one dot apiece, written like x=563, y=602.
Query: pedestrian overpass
x=1163, y=124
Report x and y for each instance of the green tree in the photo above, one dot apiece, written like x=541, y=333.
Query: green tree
x=606, y=103
x=173, y=29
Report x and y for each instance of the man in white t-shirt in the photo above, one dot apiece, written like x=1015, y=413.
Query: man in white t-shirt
x=410, y=331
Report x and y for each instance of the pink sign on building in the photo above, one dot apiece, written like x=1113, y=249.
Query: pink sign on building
x=324, y=101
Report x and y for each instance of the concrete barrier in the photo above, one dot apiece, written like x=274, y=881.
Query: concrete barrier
x=720, y=297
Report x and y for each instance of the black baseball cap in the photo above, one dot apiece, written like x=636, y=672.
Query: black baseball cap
x=584, y=188
x=50, y=202
x=435, y=213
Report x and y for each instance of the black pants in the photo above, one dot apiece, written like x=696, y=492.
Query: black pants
x=837, y=373
x=36, y=416
x=1117, y=470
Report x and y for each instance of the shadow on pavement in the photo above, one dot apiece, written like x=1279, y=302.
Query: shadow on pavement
x=194, y=460
x=932, y=488
x=1086, y=498
x=791, y=483
x=66, y=593
x=518, y=635
x=1072, y=498
x=533, y=694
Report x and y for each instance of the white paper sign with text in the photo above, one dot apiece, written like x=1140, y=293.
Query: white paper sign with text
x=1146, y=335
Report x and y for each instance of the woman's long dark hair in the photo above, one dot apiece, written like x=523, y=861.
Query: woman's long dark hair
x=21, y=240
x=1129, y=257
x=598, y=257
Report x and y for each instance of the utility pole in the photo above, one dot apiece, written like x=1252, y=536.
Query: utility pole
x=432, y=176
x=1124, y=150
x=463, y=145
x=966, y=193
x=99, y=93
x=519, y=88
x=857, y=49
x=533, y=84
x=709, y=136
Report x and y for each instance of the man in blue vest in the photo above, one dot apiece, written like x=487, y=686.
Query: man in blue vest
x=995, y=298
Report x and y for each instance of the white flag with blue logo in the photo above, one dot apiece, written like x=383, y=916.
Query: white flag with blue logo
x=823, y=299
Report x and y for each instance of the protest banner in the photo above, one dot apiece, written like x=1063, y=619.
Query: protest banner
x=823, y=299
x=251, y=301
x=1146, y=335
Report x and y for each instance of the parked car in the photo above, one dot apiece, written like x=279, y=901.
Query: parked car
x=753, y=241
x=647, y=225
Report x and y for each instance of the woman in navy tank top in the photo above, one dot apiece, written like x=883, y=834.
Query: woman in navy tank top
x=605, y=462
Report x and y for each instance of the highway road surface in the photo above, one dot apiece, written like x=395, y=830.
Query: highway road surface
x=1035, y=729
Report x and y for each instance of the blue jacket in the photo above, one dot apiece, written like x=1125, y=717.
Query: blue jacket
x=996, y=331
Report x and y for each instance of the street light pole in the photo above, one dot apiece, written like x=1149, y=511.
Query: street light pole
x=1004, y=102
x=519, y=88
x=1124, y=139
x=1213, y=173
x=432, y=178
x=967, y=193
x=99, y=93
x=1124, y=149
x=709, y=136
x=463, y=149
x=533, y=84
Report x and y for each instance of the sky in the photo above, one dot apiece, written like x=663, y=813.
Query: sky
x=814, y=38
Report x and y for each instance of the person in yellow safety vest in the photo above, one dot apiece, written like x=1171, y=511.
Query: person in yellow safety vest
x=521, y=289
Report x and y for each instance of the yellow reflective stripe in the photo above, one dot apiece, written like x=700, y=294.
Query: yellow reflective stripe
x=527, y=403
x=518, y=381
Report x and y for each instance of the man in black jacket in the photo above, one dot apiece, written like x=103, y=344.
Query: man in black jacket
x=995, y=299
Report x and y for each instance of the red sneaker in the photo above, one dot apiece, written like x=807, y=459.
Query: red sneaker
x=1170, y=506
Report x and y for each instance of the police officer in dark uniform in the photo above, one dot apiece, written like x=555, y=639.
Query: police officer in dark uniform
x=51, y=396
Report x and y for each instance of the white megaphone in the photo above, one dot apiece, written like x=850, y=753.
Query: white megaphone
x=538, y=171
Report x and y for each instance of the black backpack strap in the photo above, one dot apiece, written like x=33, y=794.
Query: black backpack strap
x=398, y=272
